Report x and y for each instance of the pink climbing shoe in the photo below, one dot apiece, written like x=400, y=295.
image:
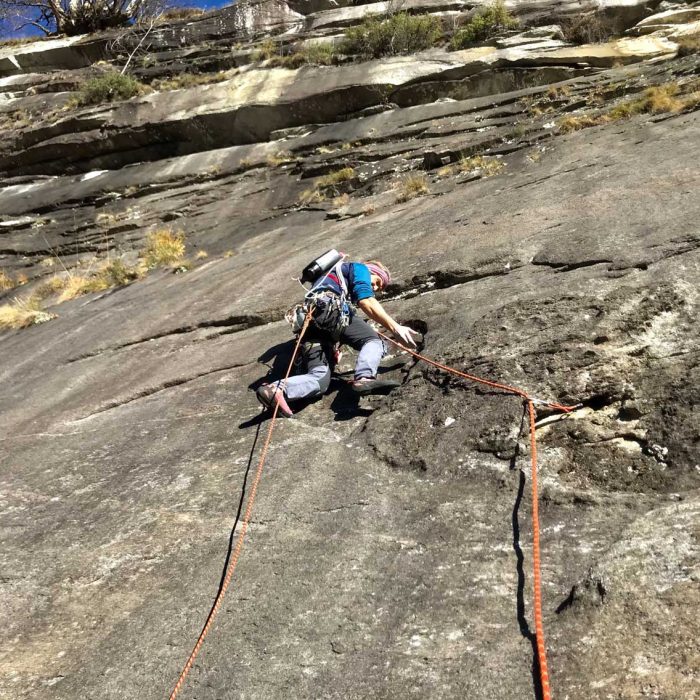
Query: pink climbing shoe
x=269, y=395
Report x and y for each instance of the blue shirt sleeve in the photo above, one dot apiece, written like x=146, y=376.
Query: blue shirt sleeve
x=361, y=287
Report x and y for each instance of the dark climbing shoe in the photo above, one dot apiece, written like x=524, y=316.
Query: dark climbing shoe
x=269, y=396
x=369, y=385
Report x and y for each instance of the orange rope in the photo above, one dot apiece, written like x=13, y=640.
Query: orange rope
x=246, y=520
x=537, y=579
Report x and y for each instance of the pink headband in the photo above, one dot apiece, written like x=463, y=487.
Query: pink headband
x=384, y=275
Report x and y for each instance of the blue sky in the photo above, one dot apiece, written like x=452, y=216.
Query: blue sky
x=7, y=31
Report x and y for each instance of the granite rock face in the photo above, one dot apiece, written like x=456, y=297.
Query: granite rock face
x=389, y=553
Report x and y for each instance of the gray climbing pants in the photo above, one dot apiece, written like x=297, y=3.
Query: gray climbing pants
x=317, y=357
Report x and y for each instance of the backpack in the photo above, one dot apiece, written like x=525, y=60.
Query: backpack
x=330, y=312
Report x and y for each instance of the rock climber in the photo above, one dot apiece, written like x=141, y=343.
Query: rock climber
x=358, y=281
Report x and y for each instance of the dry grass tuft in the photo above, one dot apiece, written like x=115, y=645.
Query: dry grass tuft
x=325, y=186
x=164, y=248
x=77, y=285
x=6, y=282
x=342, y=201
x=267, y=49
x=113, y=273
x=21, y=313
x=660, y=99
x=201, y=255
x=558, y=92
x=178, y=13
x=413, y=185
x=311, y=196
x=574, y=123
x=688, y=45
x=487, y=166
x=279, y=158
x=310, y=54
x=188, y=80
x=334, y=178
x=20, y=41
x=588, y=28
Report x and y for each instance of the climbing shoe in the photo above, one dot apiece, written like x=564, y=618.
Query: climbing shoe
x=269, y=396
x=372, y=385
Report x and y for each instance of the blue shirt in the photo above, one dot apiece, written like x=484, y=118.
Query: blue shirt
x=358, y=279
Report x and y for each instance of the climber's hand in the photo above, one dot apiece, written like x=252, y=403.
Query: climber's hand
x=405, y=335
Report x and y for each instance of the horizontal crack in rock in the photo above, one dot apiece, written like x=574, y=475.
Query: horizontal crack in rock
x=161, y=387
x=233, y=324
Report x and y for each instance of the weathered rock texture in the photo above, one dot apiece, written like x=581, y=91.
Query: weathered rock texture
x=389, y=554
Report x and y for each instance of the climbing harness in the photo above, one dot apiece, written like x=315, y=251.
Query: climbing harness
x=331, y=311
x=537, y=583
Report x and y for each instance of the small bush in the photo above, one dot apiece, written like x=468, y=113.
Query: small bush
x=488, y=22
x=341, y=201
x=109, y=87
x=399, y=34
x=22, y=313
x=412, y=186
x=164, y=247
x=587, y=29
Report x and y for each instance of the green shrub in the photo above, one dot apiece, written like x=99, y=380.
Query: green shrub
x=401, y=33
x=109, y=88
x=488, y=22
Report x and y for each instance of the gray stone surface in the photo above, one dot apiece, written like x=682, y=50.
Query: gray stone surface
x=389, y=553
